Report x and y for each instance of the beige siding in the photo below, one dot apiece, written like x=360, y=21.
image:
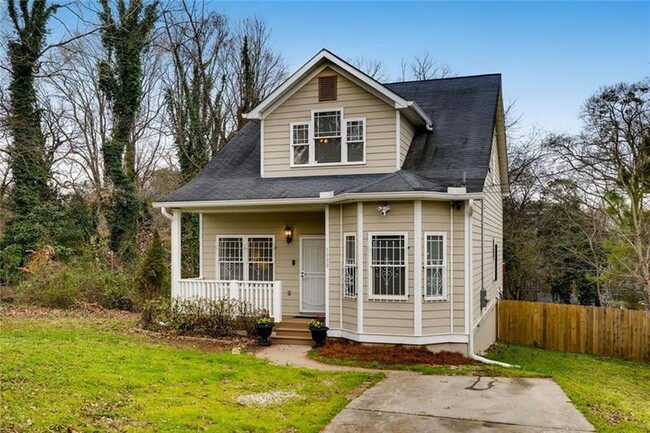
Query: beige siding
x=388, y=317
x=436, y=315
x=287, y=260
x=488, y=214
x=381, y=129
x=343, y=311
x=406, y=136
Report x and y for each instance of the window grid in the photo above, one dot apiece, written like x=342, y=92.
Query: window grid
x=388, y=271
x=350, y=267
x=245, y=258
x=300, y=143
x=435, y=269
x=355, y=140
x=327, y=137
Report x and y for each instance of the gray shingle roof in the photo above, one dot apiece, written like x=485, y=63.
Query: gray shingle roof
x=463, y=111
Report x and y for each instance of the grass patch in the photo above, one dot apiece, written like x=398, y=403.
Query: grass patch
x=70, y=373
x=613, y=394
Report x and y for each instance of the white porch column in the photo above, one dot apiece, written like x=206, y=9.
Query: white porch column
x=176, y=252
x=417, y=268
x=327, y=265
x=360, y=288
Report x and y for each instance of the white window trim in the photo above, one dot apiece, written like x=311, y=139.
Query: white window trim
x=345, y=143
x=245, y=261
x=308, y=144
x=373, y=297
x=312, y=144
x=356, y=265
x=445, y=280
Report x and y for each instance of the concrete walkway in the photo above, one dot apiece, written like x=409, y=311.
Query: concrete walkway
x=414, y=403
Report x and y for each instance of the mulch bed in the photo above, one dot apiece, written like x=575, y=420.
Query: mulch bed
x=82, y=310
x=390, y=354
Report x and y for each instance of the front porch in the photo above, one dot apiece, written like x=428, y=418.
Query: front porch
x=247, y=256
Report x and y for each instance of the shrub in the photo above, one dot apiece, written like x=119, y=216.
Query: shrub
x=201, y=317
x=63, y=285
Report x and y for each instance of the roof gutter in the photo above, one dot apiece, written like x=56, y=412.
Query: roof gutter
x=326, y=199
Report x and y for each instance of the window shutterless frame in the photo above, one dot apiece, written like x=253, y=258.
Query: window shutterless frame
x=246, y=259
x=431, y=239
x=312, y=147
x=350, y=274
x=402, y=265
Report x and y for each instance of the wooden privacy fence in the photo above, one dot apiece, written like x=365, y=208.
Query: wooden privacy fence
x=575, y=328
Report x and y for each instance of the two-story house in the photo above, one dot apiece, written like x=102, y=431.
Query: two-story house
x=377, y=205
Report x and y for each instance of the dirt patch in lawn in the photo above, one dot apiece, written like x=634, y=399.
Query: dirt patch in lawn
x=233, y=344
x=390, y=354
x=82, y=310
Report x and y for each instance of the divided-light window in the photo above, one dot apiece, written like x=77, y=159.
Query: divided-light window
x=245, y=258
x=388, y=271
x=328, y=139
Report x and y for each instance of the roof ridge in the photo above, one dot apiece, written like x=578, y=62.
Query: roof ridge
x=494, y=74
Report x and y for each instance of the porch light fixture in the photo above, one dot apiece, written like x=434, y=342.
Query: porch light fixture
x=288, y=234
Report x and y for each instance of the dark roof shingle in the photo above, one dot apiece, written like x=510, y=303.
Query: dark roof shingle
x=463, y=112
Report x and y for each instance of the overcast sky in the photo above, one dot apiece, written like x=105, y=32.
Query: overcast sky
x=553, y=55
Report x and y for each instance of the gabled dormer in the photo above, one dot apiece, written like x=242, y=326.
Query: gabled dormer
x=329, y=118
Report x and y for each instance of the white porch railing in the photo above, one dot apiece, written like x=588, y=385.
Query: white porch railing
x=258, y=294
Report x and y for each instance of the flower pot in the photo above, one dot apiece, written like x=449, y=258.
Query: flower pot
x=318, y=335
x=264, y=332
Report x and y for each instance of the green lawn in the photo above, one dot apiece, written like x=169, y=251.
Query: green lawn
x=92, y=374
x=613, y=394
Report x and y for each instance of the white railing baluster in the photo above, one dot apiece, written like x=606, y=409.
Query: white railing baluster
x=257, y=294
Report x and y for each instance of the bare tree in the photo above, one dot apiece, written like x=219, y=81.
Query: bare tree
x=611, y=162
x=256, y=69
x=374, y=68
x=424, y=67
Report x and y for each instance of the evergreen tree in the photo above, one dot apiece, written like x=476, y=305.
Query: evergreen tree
x=153, y=279
x=124, y=39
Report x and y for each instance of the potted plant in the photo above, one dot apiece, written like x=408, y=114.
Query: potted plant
x=264, y=326
x=318, y=330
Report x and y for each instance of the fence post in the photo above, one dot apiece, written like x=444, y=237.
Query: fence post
x=277, y=301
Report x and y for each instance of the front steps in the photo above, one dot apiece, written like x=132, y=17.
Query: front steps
x=292, y=330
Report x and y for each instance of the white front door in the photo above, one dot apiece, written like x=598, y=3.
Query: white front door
x=312, y=274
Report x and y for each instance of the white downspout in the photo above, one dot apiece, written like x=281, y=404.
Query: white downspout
x=451, y=268
x=470, y=347
x=166, y=214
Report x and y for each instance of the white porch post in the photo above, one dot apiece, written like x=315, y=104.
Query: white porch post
x=327, y=265
x=176, y=253
x=277, y=301
x=360, y=288
x=417, y=268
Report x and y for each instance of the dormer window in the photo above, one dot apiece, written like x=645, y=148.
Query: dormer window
x=328, y=139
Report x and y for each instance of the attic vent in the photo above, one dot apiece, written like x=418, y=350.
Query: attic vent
x=327, y=88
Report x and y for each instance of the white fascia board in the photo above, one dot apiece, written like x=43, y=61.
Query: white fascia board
x=400, y=103
x=381, y=196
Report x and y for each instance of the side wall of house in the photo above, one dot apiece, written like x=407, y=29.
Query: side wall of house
x=487, y=231
x=343, y=311
x=381, y=129
x=437, y=315
x=286, y=256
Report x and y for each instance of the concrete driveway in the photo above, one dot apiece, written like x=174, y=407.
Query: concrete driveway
x=407, y=403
